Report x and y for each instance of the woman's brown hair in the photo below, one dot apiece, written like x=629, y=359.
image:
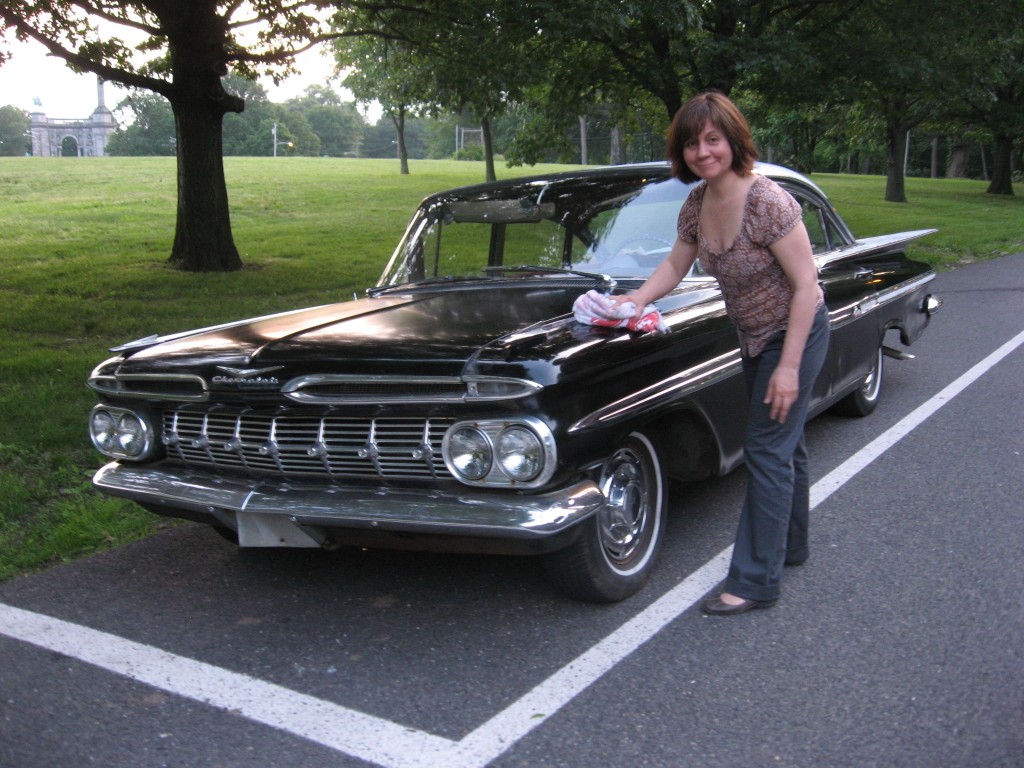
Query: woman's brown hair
x=716, y=108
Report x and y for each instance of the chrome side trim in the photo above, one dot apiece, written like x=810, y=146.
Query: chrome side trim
x=467, y=513
x=679, y=385
x=121, y=386
x=894, y=293
x=840, y=316
x=898, y=291
x=686, y=382
x=407, y=389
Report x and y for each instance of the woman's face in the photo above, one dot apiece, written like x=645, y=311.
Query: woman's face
x=708, y=154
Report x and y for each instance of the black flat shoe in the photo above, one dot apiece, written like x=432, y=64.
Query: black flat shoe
x=714, y=606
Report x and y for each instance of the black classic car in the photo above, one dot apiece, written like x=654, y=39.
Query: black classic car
x=460, y=406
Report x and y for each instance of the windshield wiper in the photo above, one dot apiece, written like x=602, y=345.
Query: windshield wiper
x=605, y=280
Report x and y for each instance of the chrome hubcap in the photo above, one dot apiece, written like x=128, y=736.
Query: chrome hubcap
x=873, y=381
x=624, y=516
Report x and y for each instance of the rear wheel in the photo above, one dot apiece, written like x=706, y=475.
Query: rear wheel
x=863, y=400
x=616, y=550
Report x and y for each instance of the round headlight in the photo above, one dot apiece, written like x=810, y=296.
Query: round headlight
x=470, y=452
x=104, y=433
x=520, y=453
x=131, y=434
x=122, y=434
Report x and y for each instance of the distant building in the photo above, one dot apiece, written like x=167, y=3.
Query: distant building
x=54, y=137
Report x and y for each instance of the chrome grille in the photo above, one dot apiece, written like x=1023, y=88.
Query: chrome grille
x=334, y=446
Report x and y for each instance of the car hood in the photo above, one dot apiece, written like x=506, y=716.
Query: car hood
x=431, y=333
x=520, y=330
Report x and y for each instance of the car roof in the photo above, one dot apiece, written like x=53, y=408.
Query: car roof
x=660, y=169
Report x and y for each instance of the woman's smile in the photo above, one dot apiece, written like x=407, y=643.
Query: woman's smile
x=708, y=154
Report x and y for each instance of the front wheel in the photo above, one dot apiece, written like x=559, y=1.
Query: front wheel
x=617, y=546
x=863, y=400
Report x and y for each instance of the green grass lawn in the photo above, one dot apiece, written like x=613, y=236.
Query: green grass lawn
x=84, y=247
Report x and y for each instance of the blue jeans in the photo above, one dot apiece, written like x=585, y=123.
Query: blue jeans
x=774, y=520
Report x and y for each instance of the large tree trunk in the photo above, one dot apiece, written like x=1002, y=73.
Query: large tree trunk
x=403, y=151
x=895, y=182
x=957, y=166
x=618, y=155
x=1002, y=172
x=485, y=124
x=584, y=156
x=202, y=238
x=203, y=241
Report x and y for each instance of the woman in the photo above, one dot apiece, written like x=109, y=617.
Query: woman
x=748, y=233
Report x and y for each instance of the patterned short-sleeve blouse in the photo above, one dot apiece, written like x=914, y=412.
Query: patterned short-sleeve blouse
x=757, y=292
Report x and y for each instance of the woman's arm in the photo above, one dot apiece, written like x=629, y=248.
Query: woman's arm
x=666, y=277
x=794, y=254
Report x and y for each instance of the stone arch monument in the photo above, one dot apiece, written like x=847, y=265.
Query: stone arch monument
x=54, y=137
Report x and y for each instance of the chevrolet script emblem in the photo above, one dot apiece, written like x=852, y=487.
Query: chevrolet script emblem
x=251, y=377
x=244, y=373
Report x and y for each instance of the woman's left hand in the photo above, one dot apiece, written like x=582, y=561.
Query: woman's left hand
x=783, y=388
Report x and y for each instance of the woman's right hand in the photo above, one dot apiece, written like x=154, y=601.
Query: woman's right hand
x=622, y=298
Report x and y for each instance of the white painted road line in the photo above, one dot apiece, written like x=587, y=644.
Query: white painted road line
x=839, y=476
x=369, y=738
x=392, y=745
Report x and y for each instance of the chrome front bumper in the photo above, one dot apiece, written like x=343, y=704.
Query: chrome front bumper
x=280, y=513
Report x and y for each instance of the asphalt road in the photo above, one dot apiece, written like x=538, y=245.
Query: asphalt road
x=899, y=643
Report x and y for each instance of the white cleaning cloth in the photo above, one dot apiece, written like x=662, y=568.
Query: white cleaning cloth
x=594, y=308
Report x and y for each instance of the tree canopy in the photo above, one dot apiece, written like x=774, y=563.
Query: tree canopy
x=14, y=136
x=842, y=79
x=428, y=57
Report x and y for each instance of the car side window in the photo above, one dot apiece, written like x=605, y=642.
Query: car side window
x=825, y=234
x=835, y=236
x=462, y=249
x=816, y=226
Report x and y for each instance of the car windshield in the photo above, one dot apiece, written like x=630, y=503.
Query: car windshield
x=621, y=226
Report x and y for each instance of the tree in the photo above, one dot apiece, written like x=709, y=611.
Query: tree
x=389, y=72
x=379, y=138
x=989, y=58
x=310, y=125
x=192, y=46
x=672, y=50
x=620, y=58
x=14, y=132
x=248, y=133
x=150, y=130
x=584, y=95
x=896, y=71
x=338, y=126
x=463, y=55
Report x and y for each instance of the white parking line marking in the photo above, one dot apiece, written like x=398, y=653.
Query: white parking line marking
x=839, y=476
x=503, y=730
x=389, y=744
x=359, y=735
